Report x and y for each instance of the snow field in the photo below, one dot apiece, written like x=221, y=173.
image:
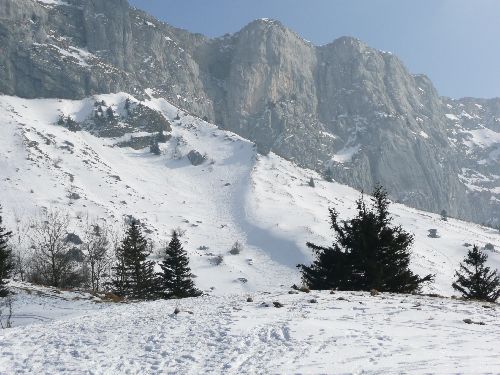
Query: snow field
x=319, y=332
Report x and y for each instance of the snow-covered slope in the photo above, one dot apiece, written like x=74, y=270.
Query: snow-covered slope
x=343, y=333
x=236, y=195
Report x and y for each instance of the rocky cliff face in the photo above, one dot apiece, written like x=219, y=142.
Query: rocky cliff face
x=76, y=48
x=344, y=107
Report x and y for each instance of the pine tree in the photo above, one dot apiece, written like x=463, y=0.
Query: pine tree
x=154, y=147
x=134, y=274
x=444, y=215
x=161, y=137
x=127, y=105
x=367, y=253
x=6, y=264
x=328, y=175
x=110, y=113
x=72, y=125
x=175, y=280
x=475, y=280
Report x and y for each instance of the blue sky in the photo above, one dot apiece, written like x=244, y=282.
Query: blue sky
x=455, y=42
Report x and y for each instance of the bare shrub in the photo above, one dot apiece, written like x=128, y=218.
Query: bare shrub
x=217, y=260
x=95, y=248
x=52, y=264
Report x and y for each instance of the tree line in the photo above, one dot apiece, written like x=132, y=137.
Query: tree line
x=101, y=259
x=369, y=253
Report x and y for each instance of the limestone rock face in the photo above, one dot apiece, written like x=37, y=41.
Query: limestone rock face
x=342, y=107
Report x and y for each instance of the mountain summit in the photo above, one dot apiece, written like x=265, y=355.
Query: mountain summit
x=344, y=106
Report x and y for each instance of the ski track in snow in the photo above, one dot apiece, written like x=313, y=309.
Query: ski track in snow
x=361, y=334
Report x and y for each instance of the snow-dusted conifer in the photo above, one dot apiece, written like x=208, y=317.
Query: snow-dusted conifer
x=328, y=174
x=475, y=280
x=176, y=280
x=154, y=147
x=444, y=215
x=134, y=273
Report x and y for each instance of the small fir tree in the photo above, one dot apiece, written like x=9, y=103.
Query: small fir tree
x=134, y=274
x=367, y=253
x=176, y=280
x=154, y=147
x=161, y=137
x=475, y=280
x=329, y=174
x=6, y=264
x=72, y=125
x=127, y=105
x=444, y=215
x=110, y=113
x=95, y=250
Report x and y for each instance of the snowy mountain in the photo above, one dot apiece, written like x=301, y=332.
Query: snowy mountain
x=475, y=132
x=108, y=114
x=98, y=169
x=344, y=106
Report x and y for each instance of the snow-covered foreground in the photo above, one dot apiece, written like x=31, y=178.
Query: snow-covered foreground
x=264, y=202
x=37, y=304
x=317, y=332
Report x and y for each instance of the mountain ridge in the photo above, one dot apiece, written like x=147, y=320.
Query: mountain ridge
x=343, y=106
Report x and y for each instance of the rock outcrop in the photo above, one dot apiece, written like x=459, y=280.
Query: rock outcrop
x=342, y=107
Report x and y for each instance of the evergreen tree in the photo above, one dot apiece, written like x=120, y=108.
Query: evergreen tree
x=161, y=137
x=329, y=174
x=110, y=113
x=127, y=105
x=6, y=264
x=72, y=125
x=367, y=253
x=134, y=274
x=154, y=147
x=444, y=215
x=175, y=280
x=475, y=280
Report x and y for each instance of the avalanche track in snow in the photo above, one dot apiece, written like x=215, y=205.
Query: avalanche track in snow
x=264, y=202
